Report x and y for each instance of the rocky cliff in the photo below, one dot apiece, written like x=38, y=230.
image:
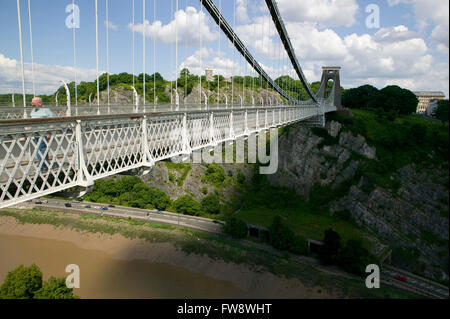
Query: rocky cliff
x=412, y=220
x=408, y=211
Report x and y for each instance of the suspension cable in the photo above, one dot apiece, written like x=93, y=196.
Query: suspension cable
x=21, y=56
x=132, y=50
x=234, y=55
x=143, y=49
x=96, y=53
x=107, y=52
x=154, y=58
x=185, y=56
x=201, y=59
x=171, y=63
x=75, y=56
x=31, y=48
x=218, y=75
x=176, y=57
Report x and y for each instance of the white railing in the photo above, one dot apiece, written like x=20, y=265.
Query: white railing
x=42, y=156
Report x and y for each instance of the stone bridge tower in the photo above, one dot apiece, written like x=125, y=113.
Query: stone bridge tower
x=331, y=73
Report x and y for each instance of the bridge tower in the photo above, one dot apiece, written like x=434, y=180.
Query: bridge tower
x=331, y=73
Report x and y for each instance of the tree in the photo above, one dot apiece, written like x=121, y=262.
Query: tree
x=394, y=98
x=55, y=288
x=235, y=227
x=211, y=204
x=21, y=283
x=240, y=177
x=359, y=98
x=185, y=72
x=281, y=236
x=185, y=204
x=299, y=245
x=441, y=111
x=354, y=257
x=330, y=248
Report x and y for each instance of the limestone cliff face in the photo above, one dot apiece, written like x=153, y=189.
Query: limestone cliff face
x=413, y=221
x=302, y=163
x=172, y=183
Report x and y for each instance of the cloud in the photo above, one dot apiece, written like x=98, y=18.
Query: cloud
x=393, y=55
x=241, y=11
x=47, y=77
x=111, y=25
x=192, y=25
x=325, y=12
x=434, y=13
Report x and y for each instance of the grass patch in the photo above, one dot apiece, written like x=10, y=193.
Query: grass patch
x=181, y=168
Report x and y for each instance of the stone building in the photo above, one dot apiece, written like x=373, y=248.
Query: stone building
x=209, y=75
x=426, y=97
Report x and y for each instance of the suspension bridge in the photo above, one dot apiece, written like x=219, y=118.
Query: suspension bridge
x=83, y=143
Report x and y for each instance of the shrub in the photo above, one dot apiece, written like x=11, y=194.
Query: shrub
x=235, y=227
x=328, y=252
x=299, y=245
x=240, y=177
x=185, y=204
x=214, y=175
x=281, y=236
x=211, y=204
x=354, y=257
x=54, y=288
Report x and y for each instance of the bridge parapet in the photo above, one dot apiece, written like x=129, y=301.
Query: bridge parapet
x=42, y=156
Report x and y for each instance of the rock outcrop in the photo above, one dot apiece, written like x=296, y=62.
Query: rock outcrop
x=413, y=221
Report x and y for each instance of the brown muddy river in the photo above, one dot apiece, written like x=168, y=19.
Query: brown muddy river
x=102, y=276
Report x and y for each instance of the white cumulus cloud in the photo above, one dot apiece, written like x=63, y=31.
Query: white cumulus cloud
x=47, y=77
x=325, y=12
x=192, y=25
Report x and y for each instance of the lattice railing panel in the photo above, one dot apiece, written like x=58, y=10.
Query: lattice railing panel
x=198, y=130
x=221, y=126
x=165, y=136
x=40, y=159
x=112, y=145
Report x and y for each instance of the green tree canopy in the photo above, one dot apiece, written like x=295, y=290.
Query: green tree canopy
x=359, y=98
x=55, y=288
x=235, y=227
x=211, y=204
x=187, y=205
x=441, y=112
x=281, y=236
x=354, y=258
x=331, y=245
x=26, y=283
x=21, y=283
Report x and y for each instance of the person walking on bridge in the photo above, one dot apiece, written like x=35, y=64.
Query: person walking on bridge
x=37, y=113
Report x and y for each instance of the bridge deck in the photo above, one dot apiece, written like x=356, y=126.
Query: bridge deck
x=82, y=149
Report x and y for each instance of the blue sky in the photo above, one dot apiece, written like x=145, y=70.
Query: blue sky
x=410, y=47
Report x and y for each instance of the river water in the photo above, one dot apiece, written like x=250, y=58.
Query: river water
x=102, y=276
